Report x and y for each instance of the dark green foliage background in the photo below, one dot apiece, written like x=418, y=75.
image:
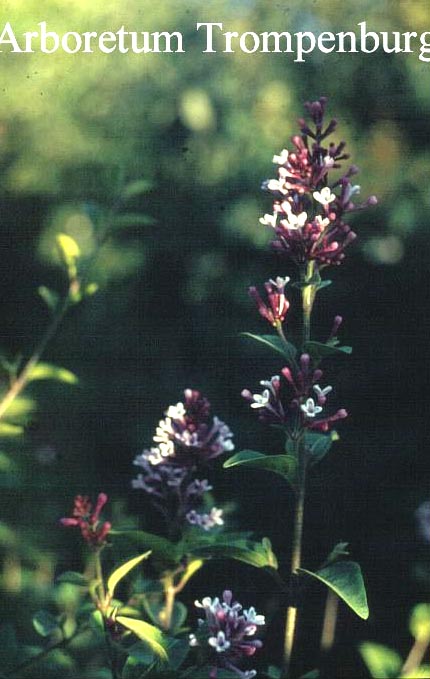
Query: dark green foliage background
x=202, y=129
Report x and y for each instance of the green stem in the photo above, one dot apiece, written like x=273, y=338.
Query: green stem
x=20, y=382
x=169, y=597
x=416, y=655
x=329, y=623
x=296, y=556
x=103, y=601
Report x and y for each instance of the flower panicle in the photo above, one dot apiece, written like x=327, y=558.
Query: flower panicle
x=87, y=518
x=227, y=632
x=308, y=210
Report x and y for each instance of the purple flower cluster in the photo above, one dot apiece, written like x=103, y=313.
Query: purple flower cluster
x=308, y=210
x=186, y=438
x=227, y=632
x=295, y=402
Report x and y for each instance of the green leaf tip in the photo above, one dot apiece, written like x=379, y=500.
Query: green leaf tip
x=345, y=579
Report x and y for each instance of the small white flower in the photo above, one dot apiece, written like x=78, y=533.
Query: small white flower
x=261, y=400
x=291, y=220
x=253, y=617
x=154, y=456
x=325, y=196
x=269, y=220
x=328, y=161
x=282, y=158
x=310, y=408
x=219, y=643
x=276, y=185
x=192, y=640
x=167, y=449
x=176, y=412
x=322, y=223
x=322, y=392
x=280, y=282
x=216, y=516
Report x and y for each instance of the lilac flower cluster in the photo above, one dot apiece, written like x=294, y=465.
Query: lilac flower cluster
x=227, y=632
x=308, y=210
x=296, y=401
x=186, y=438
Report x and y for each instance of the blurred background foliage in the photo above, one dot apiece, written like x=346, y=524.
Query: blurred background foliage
x=201, y=129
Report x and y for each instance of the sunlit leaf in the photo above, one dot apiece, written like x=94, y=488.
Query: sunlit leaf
x=346, y=580
x=286, y=349
x=69, y=252
x=284, y=465
x=422, y=672
x=120, y=572
x=10, y=430
x=46, y=371
x=382, y=662
x=419, y=623
x=147, y=633
x=45, y=623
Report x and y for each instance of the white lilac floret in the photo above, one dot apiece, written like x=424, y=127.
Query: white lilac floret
x=291, y=401
x=227, y=633
x=207, y=521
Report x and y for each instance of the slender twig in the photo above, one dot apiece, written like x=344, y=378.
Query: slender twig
x=329, y=623
x=20, y=382
x=296, y=556
x=308, y=298
x=416, y=655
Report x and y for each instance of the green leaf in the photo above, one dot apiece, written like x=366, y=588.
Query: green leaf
x=422, y=672
x=46, y=371
x=50, y=297
x=275, y=343
x=147, y=633
x=318, y=350
x=178, y=652
x=313, y=674
x=120, y=572
x=346, y=580
x=257, y=554
x=69, y=253
x=284, y=465
x=274, y=672
x=10, y=430
x=73, y=578
x=419, y=623
x=45, y=623
x=382, y=662
x=159, y=546
x=318, y=445
x=137, y=187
